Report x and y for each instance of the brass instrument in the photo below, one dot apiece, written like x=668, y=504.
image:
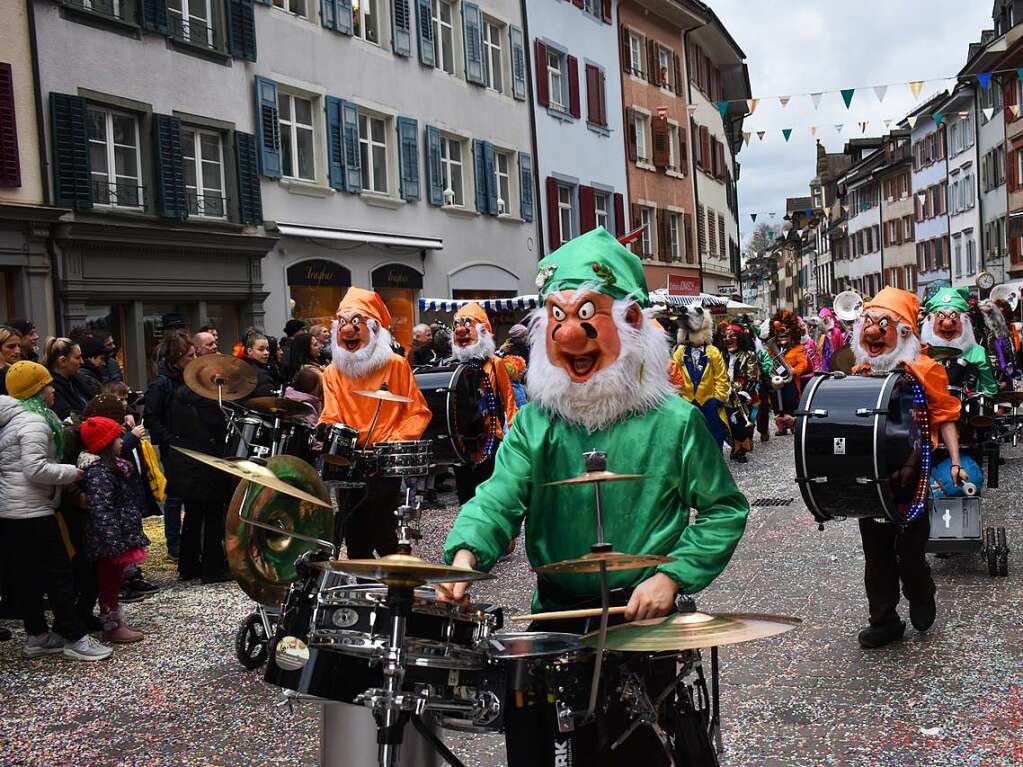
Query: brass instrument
x=781, y=373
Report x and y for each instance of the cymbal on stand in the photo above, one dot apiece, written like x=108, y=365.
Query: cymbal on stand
x=592, y=477
x=692, y=631
x=612, y=560
x=219, y=376
x=278, y=406
x=403, y=570
x=382, y=394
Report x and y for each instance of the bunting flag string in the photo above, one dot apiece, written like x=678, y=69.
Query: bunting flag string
x=916, y=86
x=847, y=96
x=880, y=91
x=787, y=133
x=784, y=101
x=816, y=98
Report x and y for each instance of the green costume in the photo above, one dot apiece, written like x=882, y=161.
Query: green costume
x=956, y=298
x=670, y=444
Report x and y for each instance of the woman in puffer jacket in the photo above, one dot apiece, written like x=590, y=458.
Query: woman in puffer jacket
x=31, y=438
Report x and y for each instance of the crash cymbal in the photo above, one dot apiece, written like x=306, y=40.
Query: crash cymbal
x=613, y=560
x=1010, y=397
x=591, y=477
x=212, y=373
x=942, y=353
x=262, y=560
x=382, y=394
x=277, y=406
x=692, y=631
x=403, y=570
x=253, y=472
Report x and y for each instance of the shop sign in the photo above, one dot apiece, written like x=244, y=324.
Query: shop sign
x=397, y=276
x=683, y=285
x=319, y=273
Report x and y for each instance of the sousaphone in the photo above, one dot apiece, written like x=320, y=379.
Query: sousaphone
x=1006, y=293
x=848, y=306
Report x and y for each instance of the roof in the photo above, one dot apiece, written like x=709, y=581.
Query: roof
x=712, y=19
x=928, y=107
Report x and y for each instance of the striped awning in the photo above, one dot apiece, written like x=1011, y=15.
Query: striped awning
x=518, y=303
x=662, y=297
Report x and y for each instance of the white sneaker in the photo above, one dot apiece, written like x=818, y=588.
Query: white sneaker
x=87, y=648
x=51, y=643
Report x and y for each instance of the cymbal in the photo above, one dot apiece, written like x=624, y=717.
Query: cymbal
x=692, y=631
x=382, y=394
x=235, y=377
x=613, y=560
x=403, y=570
x=591, y=477
x=277, y=406
x=262, y=560
x=941, y=353
x=1010, y=397
x=253, y=472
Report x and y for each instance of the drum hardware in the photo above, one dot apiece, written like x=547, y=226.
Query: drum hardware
x=220, y=377
x=817, y=413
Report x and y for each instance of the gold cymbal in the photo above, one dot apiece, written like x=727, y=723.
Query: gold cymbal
x=591, y=477
x=277, y=406
x=941, y=353
x=403, y=570
x=253, y=472
x=233, y=378
x=1009, y=397
x=613, y=560
x=382, y=394
x=692, y=631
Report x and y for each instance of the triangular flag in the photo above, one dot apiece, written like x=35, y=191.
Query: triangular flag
x=839, y=127
x=784, y=101
x=847, y=96
x=746, y=136
x=772, y=215
x=813, y=130
x=916, y=86
x=752, y=105
x=911, y=119
x=754, y=217
x=722, y=107
x=988, y=114
x=1014, y=108
x=922, y=197
x=761, y=134
x=938, y=117
x=880, y=91
x=786, y=132
x=984, y=78
x=816, y=99
x=887, y=123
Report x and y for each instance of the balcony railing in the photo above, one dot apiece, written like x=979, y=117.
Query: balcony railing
x=206, y=205
x=118, y=194
x=114, y=9
x=192, y=30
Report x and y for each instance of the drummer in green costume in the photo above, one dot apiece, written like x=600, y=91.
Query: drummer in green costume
x=598, y=380
x=948, y=325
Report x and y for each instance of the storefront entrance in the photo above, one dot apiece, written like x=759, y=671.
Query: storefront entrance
x=316, y=287
x=399, y=286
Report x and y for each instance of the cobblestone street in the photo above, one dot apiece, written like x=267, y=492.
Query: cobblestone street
x=811, y=697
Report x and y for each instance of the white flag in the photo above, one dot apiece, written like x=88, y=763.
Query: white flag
x=880, y=91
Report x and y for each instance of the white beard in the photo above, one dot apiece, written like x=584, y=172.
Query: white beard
x=368, y=359
x=966, y=340
x=906, y=350
x=483, y=349
x=635, y=383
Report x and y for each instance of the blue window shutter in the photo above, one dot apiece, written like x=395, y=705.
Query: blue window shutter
x=153, y=15
x=265, y=2
x=525, y=186
x=424, y=26
x=169, y=167
x=241, y=29
x=479, y=164
x=335, y=143
x=250, y=198
x=489, y=160
x=433, y=170
x=328, y=13
x=401, y=28
x=472, y=28
x=268, y=128
x=72, y=187
x=408, y=157
x=518, y=62
x=344, y=16
x=353, y=163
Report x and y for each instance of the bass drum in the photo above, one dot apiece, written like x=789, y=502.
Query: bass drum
x=859, y=447
x=455, y=396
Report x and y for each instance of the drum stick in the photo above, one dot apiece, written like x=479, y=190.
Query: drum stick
x=592, y=612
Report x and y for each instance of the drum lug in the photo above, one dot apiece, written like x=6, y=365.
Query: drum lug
x=816, y=413
x=566, y=719
x=806, y=480
x=867, y=412
x=866, y=481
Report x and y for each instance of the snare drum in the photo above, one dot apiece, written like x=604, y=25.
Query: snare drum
x=249, y=436
x=296, y=439
x=408, y=458
x=339, y=443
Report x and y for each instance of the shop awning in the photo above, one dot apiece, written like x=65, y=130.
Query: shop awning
x=358, y=235
x=662, y=297
x=517, y=303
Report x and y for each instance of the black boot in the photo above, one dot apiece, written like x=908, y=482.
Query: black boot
x=922, y=614
x=882, y=633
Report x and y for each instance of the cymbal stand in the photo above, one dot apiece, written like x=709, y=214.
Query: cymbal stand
x=376, y=417
x=408, y=517
x=597, y=461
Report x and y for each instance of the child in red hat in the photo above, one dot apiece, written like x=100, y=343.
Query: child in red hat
x=113, y=532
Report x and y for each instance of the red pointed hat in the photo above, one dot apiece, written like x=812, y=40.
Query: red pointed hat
x=368, y=303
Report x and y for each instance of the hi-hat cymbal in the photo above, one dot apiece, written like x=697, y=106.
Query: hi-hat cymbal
x=692, y=631
x=262, y=559
x=277, y=406
x=591, y=477
x=383, y=394
x=403, y=570
x=219, y=375
x=613, y=560
x=252, y=472
x=942, y=353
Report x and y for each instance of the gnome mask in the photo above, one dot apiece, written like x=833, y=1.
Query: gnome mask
x=471, y=340
x=360, y=345
x=883, y=341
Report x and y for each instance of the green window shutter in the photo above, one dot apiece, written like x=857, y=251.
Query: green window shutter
x=10, y=164
x=72, y=186
x=250, y=197
x=525, y=186
x=433, y=169
x=472, y=28
x=344, y=17
x=153, y=15
x=401, y=28
x=335, y=143
x=518, y=62
x=241, y=29
x=171, y=200
x=479, y=165
x=489, y=162
x=328, y=13
x=353, y=162
x=424, y=27
x=408, y=157
x=268, y=128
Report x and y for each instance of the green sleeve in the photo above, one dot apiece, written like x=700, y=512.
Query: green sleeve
x=490, y=521
x=706, y=545
x=766, y=365
x=986, y=383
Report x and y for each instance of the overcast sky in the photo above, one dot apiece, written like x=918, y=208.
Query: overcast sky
x=804, y=46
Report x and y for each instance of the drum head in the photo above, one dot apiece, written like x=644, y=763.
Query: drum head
x=526, y=644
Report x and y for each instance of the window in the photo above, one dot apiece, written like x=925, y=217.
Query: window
x=594, y=8
x=958, y=250
x=666, y=67
x=555, y=82
x=298, y=156
x=203, y=154
x=907, y=229
x=971, y=252
x=492, y=74
x=451, y=171
x=502, y=163
x=365, y=23
x=114, y=155
x=647, y=241
x=112, y=8
x=722, y=243
x=600, y=208
x=639, y=129
x=674, y=159
x=565, y=217
x=373, y=153
x=674, y=236
x=637, y=45
x=444, y=36
x=190, y=20
x=291, y=6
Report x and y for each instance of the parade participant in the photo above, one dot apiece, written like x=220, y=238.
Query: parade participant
x=472, y=343
x=787, y=338
x=422, y=353
x=698, y=371
x=997, y=339
x=832, y=339
x=598, y=381
x=743, y=367
x=363, y=360
x=885, y=339
x=948, y=324
x=763, y=330
x=809, y=341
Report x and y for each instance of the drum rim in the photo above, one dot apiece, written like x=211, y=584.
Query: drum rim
x=801, y=422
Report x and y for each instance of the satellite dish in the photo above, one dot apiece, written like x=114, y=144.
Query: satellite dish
x=848, y=306
x=1005, y=293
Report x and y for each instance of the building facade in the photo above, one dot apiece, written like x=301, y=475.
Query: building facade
x=863, y=194
x=930, y=182
x=963, y=208
x=898, y=252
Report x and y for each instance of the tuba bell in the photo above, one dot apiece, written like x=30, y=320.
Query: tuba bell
x=1006, y=293
x=848, y=306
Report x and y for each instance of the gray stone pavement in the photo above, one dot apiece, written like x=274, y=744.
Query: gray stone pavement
x=811, y=697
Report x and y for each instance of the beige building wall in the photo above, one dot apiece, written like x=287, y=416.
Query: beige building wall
x=15, y=49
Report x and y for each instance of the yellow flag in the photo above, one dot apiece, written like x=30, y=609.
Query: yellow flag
x=916, y=86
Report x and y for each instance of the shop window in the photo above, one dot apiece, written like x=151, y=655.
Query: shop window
x=399, y=286
x=316, y=288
